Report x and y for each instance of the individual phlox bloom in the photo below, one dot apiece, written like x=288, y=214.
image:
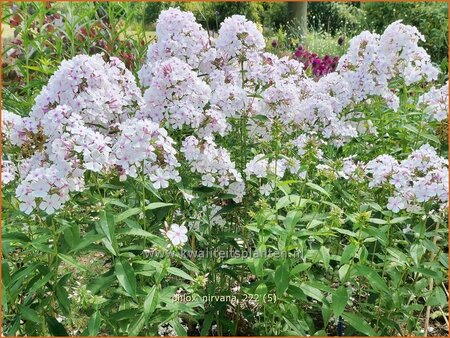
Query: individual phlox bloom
x=177, y=234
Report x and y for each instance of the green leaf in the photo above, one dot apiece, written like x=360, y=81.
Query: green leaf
x=29, y=314
x=318, y=188
x=207, y=324
x=377, y=221
x=312, y=292
x=325, y=252
x=71, y=261
x=411, y=128
x=94, y=324
x=339, y=298
x=438, y=298
x=261, y=290
x=134, y=211
x=100, y=283
x=157, y=205
x=300, y=268
x=137, y=325
x=43, y=247
x=126, y=276
x=359, y=324
x=15, y=237
x=373, y=277
x=282, y=277
x=417, y=251
x=236, y=261
x=63, y=298
x=54, y=327
x=399, y=257
x=179, y=329
x=87, y=240
x=151, y=301
x=115, y=201
x=427, y=136
x=349, y=252
x=343, y=272
x=292, y=219
x=427, y=272
x=179, y=273
x=259, y=117
x=106, y=227
x=398, y=220
x=126, y=214
x=297, y=330
x=143, y=233
x=150, y=188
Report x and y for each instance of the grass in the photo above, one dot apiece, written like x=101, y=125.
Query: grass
x=323, y=43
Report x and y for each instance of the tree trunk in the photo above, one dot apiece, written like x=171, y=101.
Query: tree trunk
x=297, y=15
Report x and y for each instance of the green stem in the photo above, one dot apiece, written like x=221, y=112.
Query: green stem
x=384, y=270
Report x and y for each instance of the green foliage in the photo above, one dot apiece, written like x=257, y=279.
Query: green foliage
x=34, y=49
x=346, y=18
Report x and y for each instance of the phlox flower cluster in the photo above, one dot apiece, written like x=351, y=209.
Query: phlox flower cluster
x=102, y=93
x=373, y=60
x=179, y=35
x=351, y=169
x=435, y=102
x=91, y=115
x=308, y=144
x=47, y=188
x=261, y=167
x=9, y=172
x=176, y=94
x=347, y=168
x=214, y=165
x=267, y=69
x=421, y=177
x=12, y=127
x=144, y=147
x=235, y=77
x=70, y=140
x=80, y=116
x=239, y=37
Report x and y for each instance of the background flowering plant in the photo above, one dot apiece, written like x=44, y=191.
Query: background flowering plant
x=219, y=144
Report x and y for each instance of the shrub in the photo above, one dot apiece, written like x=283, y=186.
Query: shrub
x=228, y=193
x=336, y=18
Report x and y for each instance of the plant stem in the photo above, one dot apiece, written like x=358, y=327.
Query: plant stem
x=430, y=287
